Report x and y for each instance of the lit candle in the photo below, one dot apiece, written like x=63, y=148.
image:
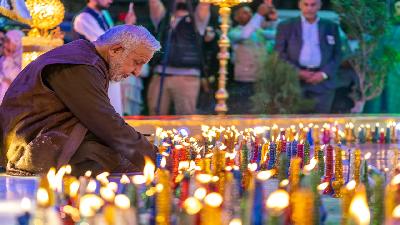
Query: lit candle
x=294, y=174
x=382, y=136
x=339, y=180
x=302, y=206
x=212, y=209
x=125, y=214
x=163, y=199
x=359, y=210
x=276, y=203
x=368, y=133
x=328, y=169
x=375, y=137
x=26, y=207
x=357, y=165
x=348, y=193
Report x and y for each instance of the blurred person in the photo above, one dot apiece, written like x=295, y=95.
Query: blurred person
x=2, y=39
x=11, y=61
x=131, y=92
x=57, y=111
x=90, y=24
x=181, y=69
x=312, y=45
x=249, y=40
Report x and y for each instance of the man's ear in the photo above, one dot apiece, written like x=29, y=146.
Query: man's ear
x=115, y=49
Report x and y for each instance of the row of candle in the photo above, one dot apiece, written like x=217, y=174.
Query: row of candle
x=327, y=133
x=226, y=177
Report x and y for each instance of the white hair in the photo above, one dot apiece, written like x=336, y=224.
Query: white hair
x=129, y=36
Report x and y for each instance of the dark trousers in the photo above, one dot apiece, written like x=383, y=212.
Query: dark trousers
x=323, y=101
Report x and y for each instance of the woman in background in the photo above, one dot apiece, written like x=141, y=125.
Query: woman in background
x=10, y=62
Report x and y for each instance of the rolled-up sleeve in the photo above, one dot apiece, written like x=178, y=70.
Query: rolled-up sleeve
x=82, y=89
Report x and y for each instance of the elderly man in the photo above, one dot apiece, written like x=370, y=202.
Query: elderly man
x=312, y=45
x=90, y=23
x=57, y=111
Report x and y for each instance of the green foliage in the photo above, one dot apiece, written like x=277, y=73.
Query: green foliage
x=278, y=89
x=367, y=22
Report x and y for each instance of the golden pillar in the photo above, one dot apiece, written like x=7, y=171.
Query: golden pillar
x=223, y=56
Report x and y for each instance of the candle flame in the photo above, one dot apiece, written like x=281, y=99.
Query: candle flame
x=107, y=194
x=313, y=162
x=91, y=187
x=113, y=186
x=88, y=173
x=351, y=185
x=284, y=183
x=235, y=221
x=367, y=155
x=122, y=201
x=200, y=193
x=265, y=175
x=278, y=201
x=42, y=197
x=26, y=204
x=323, y=186
x=89, y=204
x=203, y=178
x=213, y=199
x=103, y=177
x=139, y=179
x=183, y=165
x=396, y=212
x=395, y=180
x=73, y=188
x=163, y=162
x=125, y=179
x=68, y=169
x=192, y=205
x=359, y=209
x=252, y=167
x=51, y=177
x=148, y=170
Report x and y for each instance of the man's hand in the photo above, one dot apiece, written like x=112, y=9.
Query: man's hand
x=130, y=17
x=305, y=75
x=316, y=78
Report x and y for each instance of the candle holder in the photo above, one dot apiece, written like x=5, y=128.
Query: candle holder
x=224, y=11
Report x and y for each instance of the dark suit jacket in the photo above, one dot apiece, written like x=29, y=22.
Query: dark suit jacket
x=289, y=43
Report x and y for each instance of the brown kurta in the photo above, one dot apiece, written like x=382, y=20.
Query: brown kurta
x=52, y=104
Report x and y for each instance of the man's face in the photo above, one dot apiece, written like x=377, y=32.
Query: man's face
x=243, y=15
x=103, y=4
x=309, y=8
x=397, y=8
x=125, y=62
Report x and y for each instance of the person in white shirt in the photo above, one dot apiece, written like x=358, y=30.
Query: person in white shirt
x=92, y=23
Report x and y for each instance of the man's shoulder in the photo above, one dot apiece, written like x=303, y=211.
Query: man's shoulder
x=83, y=17
x=327, y=22
x=289, y=22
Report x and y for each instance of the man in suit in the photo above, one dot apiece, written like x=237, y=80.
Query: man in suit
x=312, y=45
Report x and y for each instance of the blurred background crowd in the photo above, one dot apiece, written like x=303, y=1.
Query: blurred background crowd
x=285, y=56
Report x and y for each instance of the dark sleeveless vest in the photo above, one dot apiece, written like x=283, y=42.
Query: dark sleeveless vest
x=183, y=51
x=36, y=127
x=99, y=18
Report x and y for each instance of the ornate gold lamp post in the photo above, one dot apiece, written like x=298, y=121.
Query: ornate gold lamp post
x=224, y=11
